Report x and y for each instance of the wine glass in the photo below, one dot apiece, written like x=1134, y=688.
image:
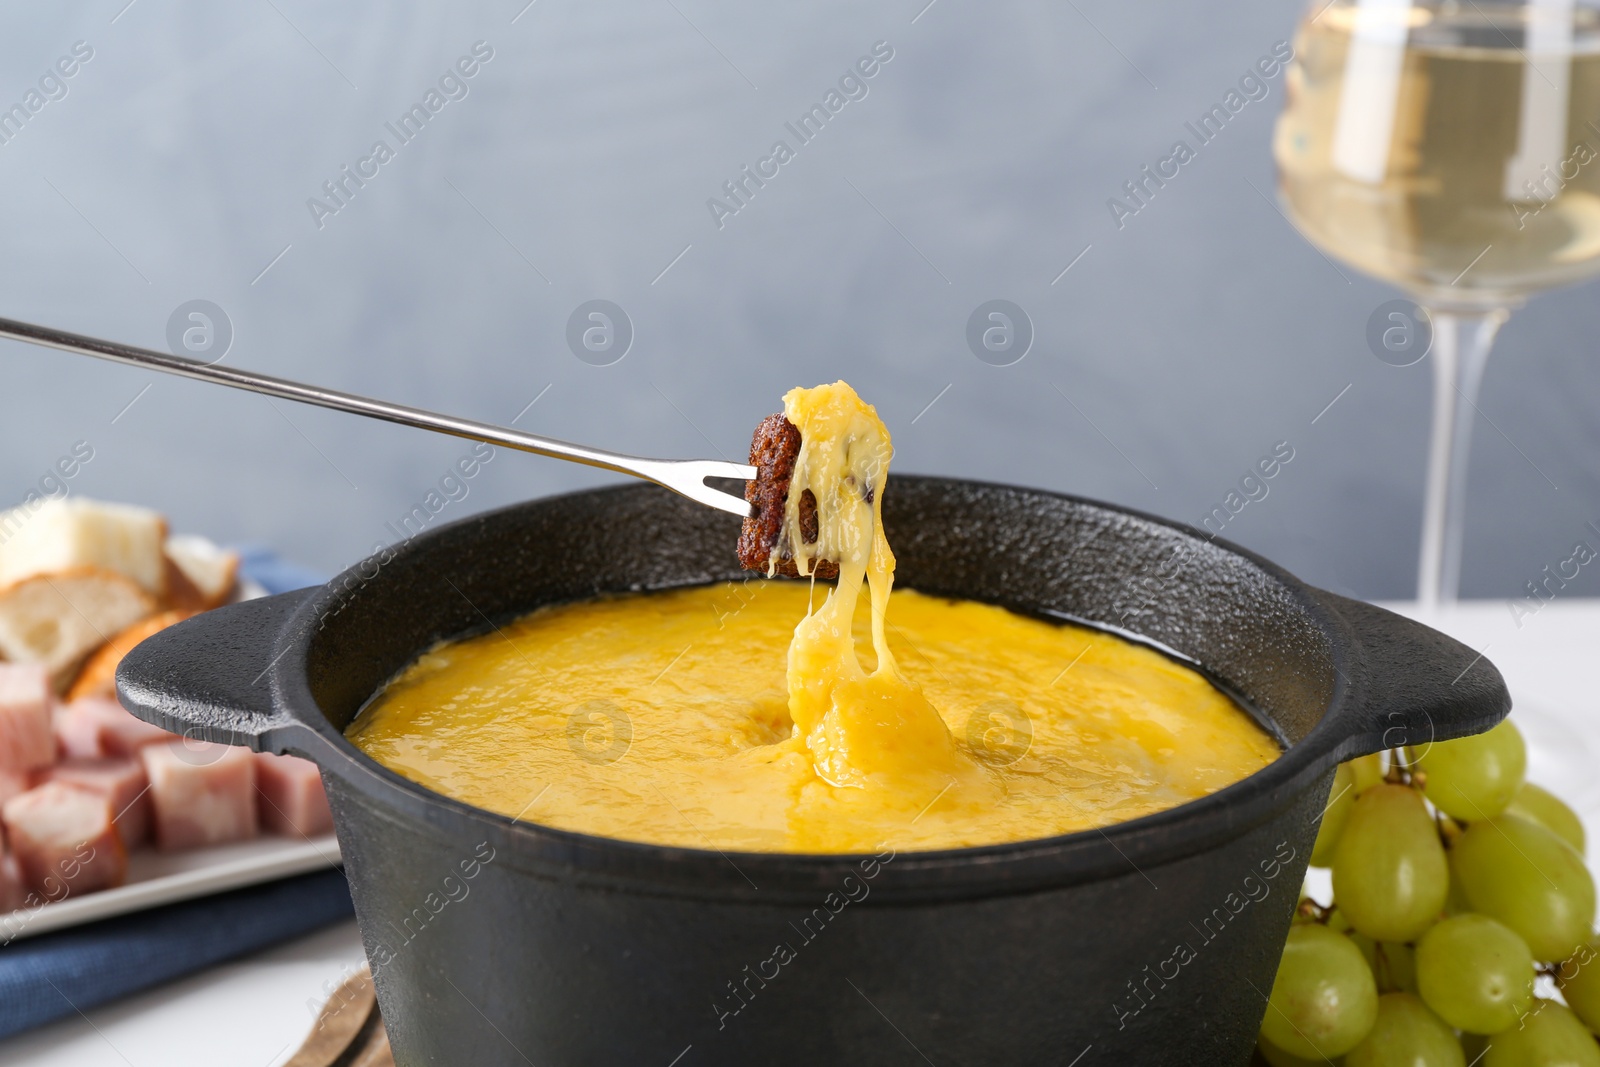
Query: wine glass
x=1452, y=148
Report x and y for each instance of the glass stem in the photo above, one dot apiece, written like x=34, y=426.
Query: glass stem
x=1461, y=343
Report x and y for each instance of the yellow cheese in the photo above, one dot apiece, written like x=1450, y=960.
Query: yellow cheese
x=664, y=717
x=855, y=724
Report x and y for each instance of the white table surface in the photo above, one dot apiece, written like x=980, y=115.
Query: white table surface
x=259, y=1009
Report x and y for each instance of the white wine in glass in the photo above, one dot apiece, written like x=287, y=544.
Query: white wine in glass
x=1454, y=150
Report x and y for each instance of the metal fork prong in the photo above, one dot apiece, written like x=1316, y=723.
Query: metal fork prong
x=687, y=476
x=716, y=498
x=712, y=468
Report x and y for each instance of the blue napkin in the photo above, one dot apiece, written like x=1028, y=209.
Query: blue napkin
x=274, y=573
x=62, y=973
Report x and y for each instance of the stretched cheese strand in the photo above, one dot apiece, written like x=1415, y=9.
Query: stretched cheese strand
x=857, y=725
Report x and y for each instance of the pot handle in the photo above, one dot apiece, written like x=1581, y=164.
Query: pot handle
x=1409, y=684
x=209, y=677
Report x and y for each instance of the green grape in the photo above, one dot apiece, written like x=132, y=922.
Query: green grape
x=1279, y=1058
x=1323, y=1000
x=1579, y=979
x=1406, y=1034
x=1475, y=777
x=1392, y=962
x=1396, y=968
x=1473, y=1046
x=1366, y=772
x=1456, y=902
x=1390, y=875
x=1528, y=878
x=1545, y=808
x=1548, y=1036
x=1340, y=799
x=1369, y=950
x=1475, y=973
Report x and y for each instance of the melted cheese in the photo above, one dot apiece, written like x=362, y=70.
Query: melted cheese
x=856, y=725
x=664, y=717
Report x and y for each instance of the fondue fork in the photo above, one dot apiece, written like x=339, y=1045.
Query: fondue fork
x=684, y=476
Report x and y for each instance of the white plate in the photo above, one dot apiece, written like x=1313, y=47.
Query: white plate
x=157, y=878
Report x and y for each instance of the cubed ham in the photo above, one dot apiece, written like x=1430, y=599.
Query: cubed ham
x=26, y=739
x=292, y=800
x=14, y=784
x=125, y=735
x=77, y=728
x=200, y=793
x=94, y=728
x=122, y=781
x=65, y=840
x=13, y=890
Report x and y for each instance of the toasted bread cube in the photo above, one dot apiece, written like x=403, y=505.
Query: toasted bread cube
x=57, y=619
x=27, y=741
x=200, y=576
x=98, y=675
x=121, y=781
x=292, y=800
x=96, y=728
x=65, y=840
x=201, y=793
x=774, y=450
x=65, y=535
x=13, y=890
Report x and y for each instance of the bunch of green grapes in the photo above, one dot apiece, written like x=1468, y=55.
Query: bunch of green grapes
x=1456, y=884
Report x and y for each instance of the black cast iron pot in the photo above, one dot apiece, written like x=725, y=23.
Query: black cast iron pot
x=494, y=941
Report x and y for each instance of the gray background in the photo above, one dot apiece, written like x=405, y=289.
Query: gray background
x=1175, y=352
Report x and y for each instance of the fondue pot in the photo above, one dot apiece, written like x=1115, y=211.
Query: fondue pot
x=499, y=941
